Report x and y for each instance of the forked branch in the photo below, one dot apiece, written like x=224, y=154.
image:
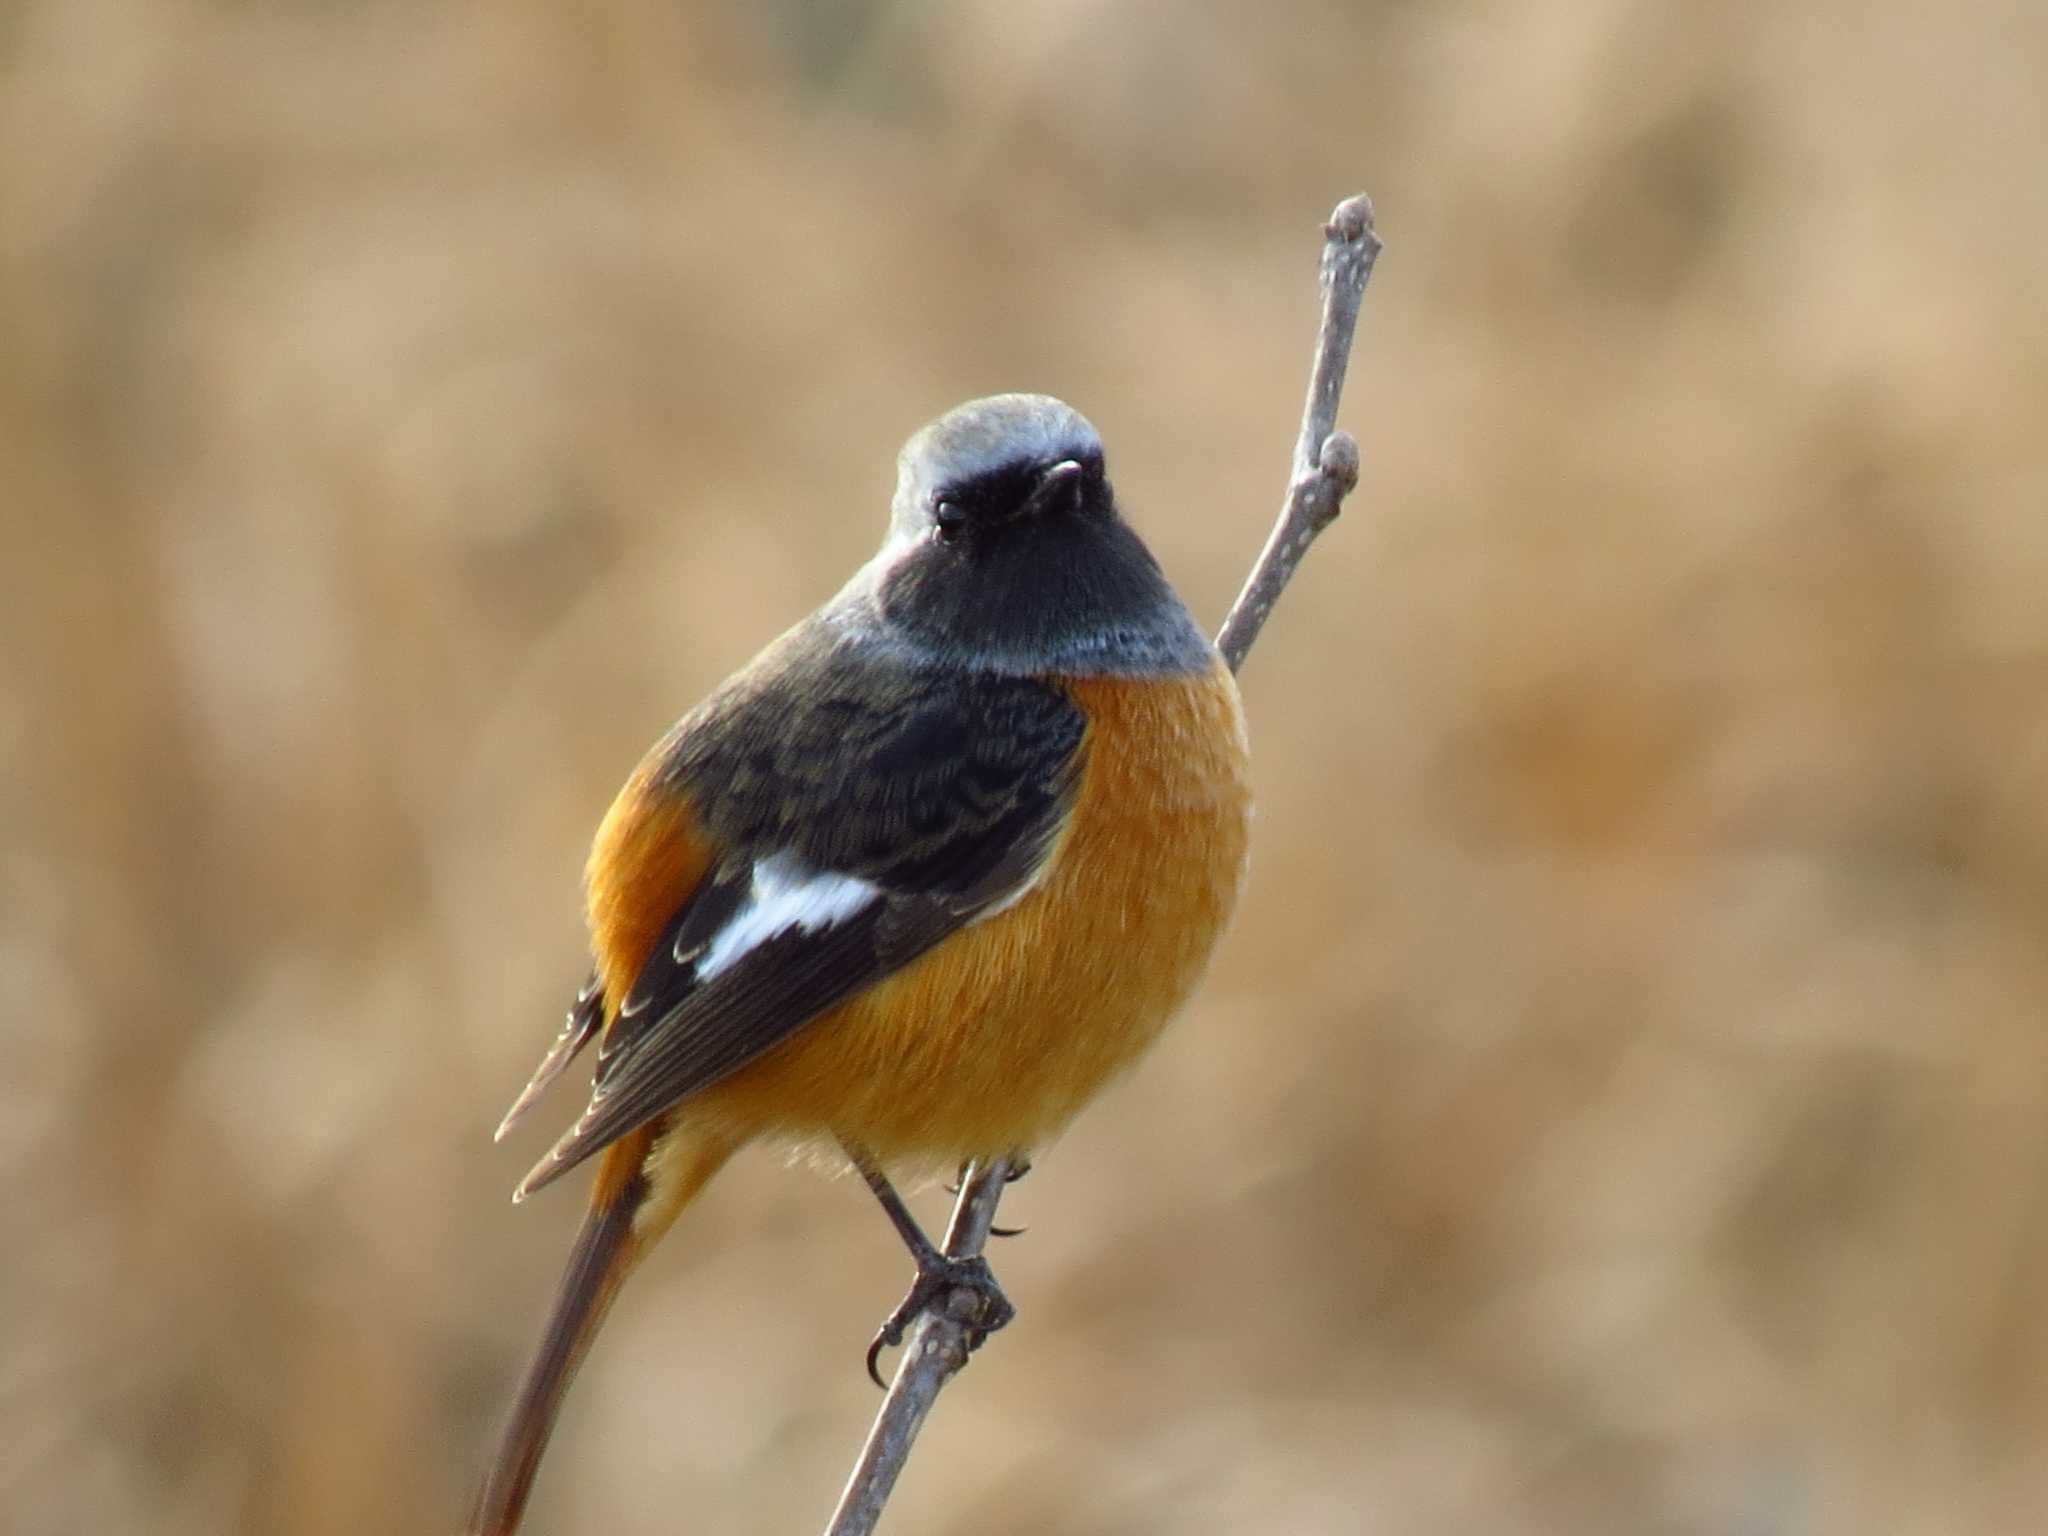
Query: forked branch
x=1325, y=460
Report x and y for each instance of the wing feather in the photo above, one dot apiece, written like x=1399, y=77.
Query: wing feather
x=583, y=1021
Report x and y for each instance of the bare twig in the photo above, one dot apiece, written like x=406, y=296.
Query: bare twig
x=1325, y=460
x=1325, y=470
x=936, y=1348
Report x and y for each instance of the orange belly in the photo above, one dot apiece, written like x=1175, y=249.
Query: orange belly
x=993, y=1040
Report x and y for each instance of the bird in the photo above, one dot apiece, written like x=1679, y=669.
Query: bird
x=911, y=886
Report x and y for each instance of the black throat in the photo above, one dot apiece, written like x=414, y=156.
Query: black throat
x=1078, y=595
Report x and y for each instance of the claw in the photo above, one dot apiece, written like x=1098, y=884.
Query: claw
x=1016, y=1171
x=938, y=1278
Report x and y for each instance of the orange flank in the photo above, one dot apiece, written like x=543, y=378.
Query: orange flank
x=647, y=858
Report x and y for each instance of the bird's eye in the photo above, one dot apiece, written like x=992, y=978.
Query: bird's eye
x=947, y=521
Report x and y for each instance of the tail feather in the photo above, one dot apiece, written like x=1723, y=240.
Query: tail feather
x=634, y=1200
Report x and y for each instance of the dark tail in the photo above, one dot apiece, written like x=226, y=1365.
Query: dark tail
x=635, y=1198
x=599, y=1263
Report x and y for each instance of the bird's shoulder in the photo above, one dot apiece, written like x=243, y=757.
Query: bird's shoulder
x=852, y=753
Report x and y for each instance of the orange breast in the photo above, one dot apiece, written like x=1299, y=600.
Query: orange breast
x=993, y=1040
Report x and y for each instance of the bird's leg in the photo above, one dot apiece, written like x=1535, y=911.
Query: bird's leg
x=939, y=1275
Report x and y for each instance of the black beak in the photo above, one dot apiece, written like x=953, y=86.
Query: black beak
x=1062, y=479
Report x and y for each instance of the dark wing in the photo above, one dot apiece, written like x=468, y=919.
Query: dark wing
x=871, y=808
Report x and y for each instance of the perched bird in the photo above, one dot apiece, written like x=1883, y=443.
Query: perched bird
x=914, y=883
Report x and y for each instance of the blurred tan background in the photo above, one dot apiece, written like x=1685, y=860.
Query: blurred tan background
x=1623, y=1103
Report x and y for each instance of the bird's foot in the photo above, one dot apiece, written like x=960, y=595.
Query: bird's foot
x=963, y=1289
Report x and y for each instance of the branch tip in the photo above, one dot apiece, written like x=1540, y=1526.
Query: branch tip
x=1351, y=221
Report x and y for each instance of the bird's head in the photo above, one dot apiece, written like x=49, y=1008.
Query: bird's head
x=997, y=467
x=1006, y=550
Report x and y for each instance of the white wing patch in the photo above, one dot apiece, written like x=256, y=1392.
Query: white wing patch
x=786, y=893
